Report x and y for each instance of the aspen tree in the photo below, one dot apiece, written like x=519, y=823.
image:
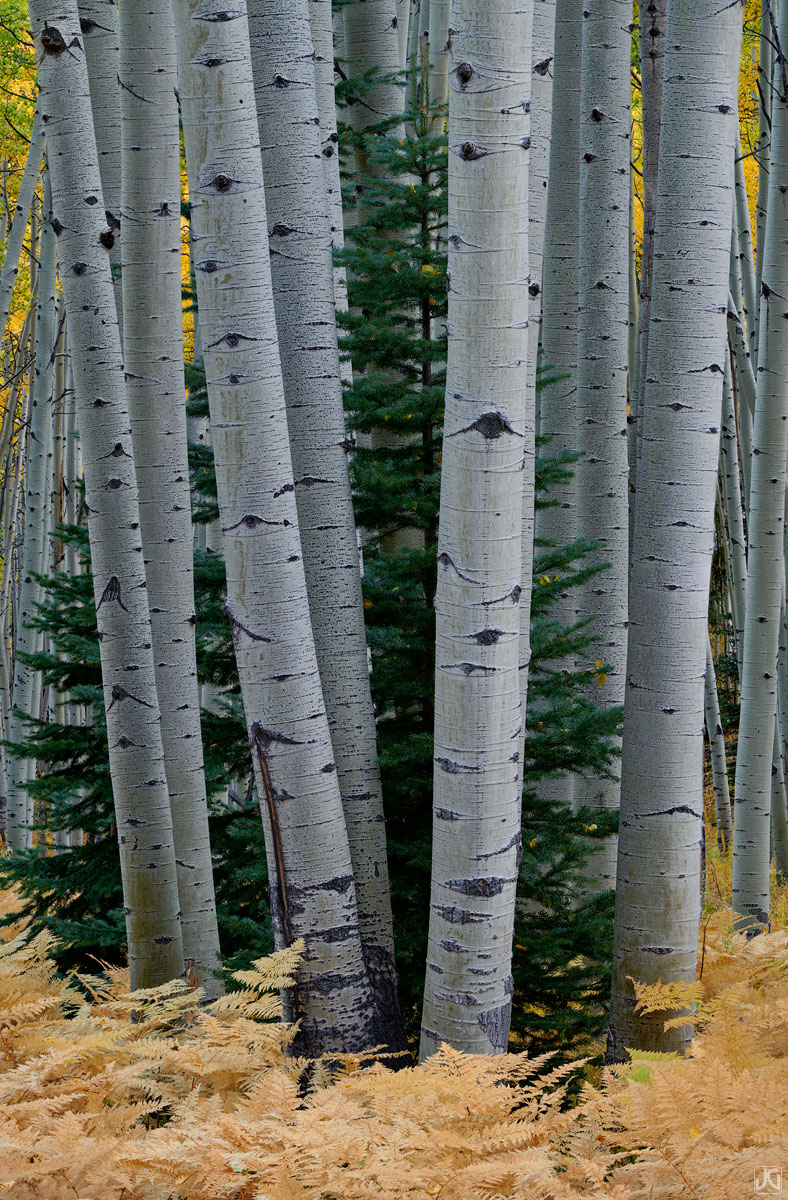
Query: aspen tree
x=719, y=766
x=765, y=535
x=302, y=276
x=19, y=811
x=659, y=860
x=98, y=20
x=371, y=43
x=312, y=885
x=20, y=217
x=652, y=67
x=558, y=524
x=543, y=32
x=603, y=344
x=478, y=714
x=153, y=354
x=142, y=810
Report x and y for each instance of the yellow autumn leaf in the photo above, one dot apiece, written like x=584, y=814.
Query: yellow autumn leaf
x=602, y=679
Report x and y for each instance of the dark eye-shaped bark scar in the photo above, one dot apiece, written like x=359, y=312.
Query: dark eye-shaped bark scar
x=112, y=592
x=120, y=693
x=469, y=151
x=221, y=184
x=490, y=425
x=249, y=521
x=221, y=15
x=231, y=339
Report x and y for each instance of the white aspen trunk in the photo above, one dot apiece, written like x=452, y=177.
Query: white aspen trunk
x=26, y=693
x=403, y=17
x=312, y=886
x=478, y=713
x=745, y=385
x=323, y=44
x=765, y=538
x=719, y=766
x=371, y=40
x=660, y=839
x=765, y=83
x=153, y=345
x=737, y=545
x=98, y=20
x=302, y=276
x=603, y=344
x=543, y=33
x=652, y=66
x=437, y=29
x=558, y=524
x=779, y=814
x=21, y=214
x=142, y=808
x=746, y=255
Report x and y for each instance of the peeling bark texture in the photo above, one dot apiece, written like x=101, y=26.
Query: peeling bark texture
x=99, y=27
x=478, y=715
x=719, y=766
x=603, y=344
x=653, y=17
x=659, y=858
x=19, y=812
x=20, y=217
x=139, y=786
x=153, y=345
x=557, y=524
x=306, y=838
x=765, y=535
x=302, y=277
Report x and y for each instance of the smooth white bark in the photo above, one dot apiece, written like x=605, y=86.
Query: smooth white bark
x=20, y=217
x=478, y=714
x=312, y=885
x=133, y=722
x=765, y=537
x=659, y=861
x=602, y=473
x=153, y=346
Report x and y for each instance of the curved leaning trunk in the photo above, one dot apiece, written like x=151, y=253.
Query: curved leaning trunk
x=603, y=345
x=153, y=356
x=312, y=886
x=20, y=217
x=302, y=278
x=659, y=859
x=142, y=810
x=19, y=813
x=478, y=715
x=765, y=542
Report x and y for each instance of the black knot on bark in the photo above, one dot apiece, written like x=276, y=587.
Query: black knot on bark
x=56, y=226
x=52, y=40
x=232, y=339
x=596, y=115
x=91, y=200
x=209, y=266
x=79, y=268
x=281, y=82
x=723, y=108
x=526, y=143
x=86, y=24
x=107, y=239
x=534, y=289
x=222, y=183
x=328, y=151
x=464, y=73
x=492, y=425
x=468, y=151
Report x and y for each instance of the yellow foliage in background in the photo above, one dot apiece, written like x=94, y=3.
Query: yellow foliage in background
x=109, y=1096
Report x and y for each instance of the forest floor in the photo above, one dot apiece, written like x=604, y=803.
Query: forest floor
x=108, y=1097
